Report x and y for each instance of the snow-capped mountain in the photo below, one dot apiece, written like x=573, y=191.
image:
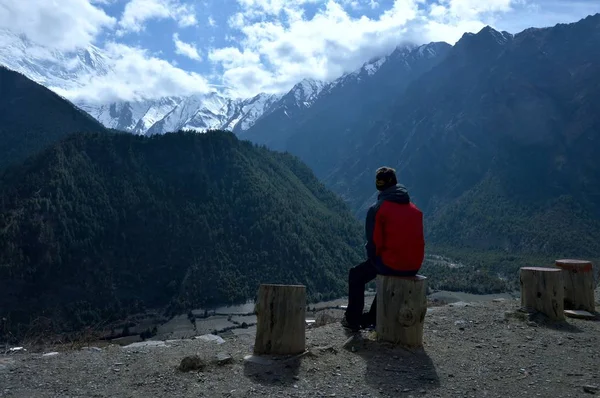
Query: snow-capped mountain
x=196, y=112
x=343, y=109
x=135, y=117
x=200, y=113
x=287, y=107
x=64, y=71
x=51, y=68
x=404, y=57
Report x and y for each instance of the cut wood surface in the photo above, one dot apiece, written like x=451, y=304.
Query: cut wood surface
x=542, y=290
x=401, y=309
x=578, y=279
x=281, y=314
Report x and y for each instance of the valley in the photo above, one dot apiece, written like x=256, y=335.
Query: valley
x=160, y=205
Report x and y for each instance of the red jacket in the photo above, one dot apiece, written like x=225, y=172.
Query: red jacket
x=394, y=230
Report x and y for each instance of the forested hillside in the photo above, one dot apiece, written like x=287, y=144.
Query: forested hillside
x=33, y=117
x=102, y=225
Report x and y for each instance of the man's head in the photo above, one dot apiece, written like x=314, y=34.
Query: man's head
x=385, y=177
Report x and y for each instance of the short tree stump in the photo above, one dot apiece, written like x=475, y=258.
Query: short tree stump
x=542, y=290
x=401, y=309
x=578, y=279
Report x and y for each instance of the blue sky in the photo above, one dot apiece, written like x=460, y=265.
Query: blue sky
x=173, y=47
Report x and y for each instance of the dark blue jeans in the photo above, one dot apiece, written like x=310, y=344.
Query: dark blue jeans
x=358, y=277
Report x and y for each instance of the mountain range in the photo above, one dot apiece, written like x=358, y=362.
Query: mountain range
x=167, y=114
x=496, y=138
x=498, y=143
x=451, y=119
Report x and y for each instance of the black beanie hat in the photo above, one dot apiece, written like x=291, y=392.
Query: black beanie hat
x=385, y=177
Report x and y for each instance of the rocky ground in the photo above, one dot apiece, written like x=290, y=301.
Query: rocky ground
x=482, y=349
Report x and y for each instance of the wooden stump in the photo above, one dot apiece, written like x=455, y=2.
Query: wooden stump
x=281, y=314
x=542, y=290
x=401, y=309
x=578, y=279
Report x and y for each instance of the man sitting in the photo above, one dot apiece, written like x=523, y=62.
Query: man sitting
x=395, y=246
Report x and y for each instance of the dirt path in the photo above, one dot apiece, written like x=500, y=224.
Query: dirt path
x=475, y=350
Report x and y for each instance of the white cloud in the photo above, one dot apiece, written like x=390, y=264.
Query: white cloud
x=282, y=46
x=323, y=47
x=232, y=57
x=255, y=8
x=135, y=75
x=73, y=24
x=137, y=12
x=270, y=46
x=540, y=13
x=468, y=9
x=186, y=49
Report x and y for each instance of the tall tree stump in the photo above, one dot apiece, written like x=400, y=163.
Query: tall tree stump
x=578, y=279
x=401, y=309
x=281, y=314
x=542, y=290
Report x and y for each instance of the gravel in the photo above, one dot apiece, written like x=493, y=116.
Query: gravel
x=483, y=349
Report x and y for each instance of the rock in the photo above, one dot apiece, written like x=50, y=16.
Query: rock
x=149, y=343
x=94, y=349
x=50, y=354
x=211, y=337
x=193, y=362
x=591, y=389
x=223, y=359
x=353, y=342
x=258, y=360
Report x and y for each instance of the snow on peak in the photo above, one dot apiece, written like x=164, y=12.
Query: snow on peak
x=499, y=37
x=485, y=36
x=373, y=66
x=307, y=91
x=252, y=109
x=51, y=68
x=427, y=51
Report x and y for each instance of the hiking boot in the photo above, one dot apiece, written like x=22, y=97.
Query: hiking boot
x=352, y=326
x=367, y=321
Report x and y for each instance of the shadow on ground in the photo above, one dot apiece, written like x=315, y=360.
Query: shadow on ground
x=268, y=371
x=540, y=320
x=393, y=369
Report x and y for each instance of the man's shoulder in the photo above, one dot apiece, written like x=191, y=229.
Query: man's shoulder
x=415, y=208
x=376, y=205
